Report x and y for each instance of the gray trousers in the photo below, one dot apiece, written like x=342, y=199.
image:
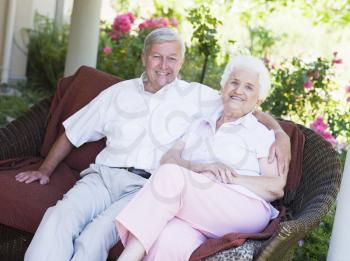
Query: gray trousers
x=81, y=225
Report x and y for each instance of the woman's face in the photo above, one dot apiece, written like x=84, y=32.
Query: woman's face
x=241, y=92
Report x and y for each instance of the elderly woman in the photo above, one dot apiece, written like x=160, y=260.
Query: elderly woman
x=217, y=179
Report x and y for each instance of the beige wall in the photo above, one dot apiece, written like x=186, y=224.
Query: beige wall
x=25, y=10
x=24, y=20
x=3, y=8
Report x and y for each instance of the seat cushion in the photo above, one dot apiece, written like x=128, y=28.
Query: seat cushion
x=73, y=93
x=22, y=206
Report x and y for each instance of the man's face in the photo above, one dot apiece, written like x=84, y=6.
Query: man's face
x=162, y=63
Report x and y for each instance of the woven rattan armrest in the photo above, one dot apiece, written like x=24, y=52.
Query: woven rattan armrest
x=23, y=136
x=313, y=198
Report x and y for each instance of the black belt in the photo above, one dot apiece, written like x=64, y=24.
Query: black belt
x=139, y=172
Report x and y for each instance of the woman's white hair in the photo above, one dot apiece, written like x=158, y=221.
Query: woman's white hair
x=253, y=64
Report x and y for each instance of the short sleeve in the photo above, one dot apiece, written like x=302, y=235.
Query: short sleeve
x=87, y=124
x=191, y=131
x=265, y=138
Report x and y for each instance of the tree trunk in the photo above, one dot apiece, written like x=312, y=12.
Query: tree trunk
x=204, y=68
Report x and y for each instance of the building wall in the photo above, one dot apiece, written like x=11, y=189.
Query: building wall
x=24, y=18
x=25, y=12
x=3, y=8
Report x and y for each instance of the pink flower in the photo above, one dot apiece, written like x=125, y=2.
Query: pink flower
x=107, y=50
x=308, y=85
x=157, y=23
x=347, y=89
x=173, y=21
x=131, y=17
x=337, y=61
x=319, y=126
x=121, y=25
x=163, y=22
x=348, y=99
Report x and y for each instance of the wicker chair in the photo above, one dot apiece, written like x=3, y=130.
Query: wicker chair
x=310, y=202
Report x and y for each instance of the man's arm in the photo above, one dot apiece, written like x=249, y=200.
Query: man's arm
x=281, y=148
x=57, y=153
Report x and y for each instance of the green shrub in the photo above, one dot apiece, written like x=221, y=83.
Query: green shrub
x=46, y=53
x=314, y=246
x=304, y=91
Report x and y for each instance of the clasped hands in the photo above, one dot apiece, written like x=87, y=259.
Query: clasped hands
x=217, y=170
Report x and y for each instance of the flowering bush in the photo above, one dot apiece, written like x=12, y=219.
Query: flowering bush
x=303, y=92
x=320, y=127
x=347, y=93
x=121, y=43
x=122, y=25
x=158, y=22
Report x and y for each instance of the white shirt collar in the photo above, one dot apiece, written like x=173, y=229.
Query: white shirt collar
x=248, y=121
x=143, y=79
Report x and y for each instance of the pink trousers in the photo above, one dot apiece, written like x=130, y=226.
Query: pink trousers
x=178, y=209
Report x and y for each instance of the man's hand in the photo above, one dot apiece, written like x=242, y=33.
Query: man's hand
x=222, y=172
x=57, y=153
x=31, y=176
x=281, y=148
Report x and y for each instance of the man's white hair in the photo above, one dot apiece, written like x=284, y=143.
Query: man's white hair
x=253, y=64
x=162, y=35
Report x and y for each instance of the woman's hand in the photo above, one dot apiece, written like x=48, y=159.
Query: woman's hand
x=220, y=171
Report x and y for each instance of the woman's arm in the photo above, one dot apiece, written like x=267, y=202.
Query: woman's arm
x=281, y=148
x=269, y=186
x=221, y=172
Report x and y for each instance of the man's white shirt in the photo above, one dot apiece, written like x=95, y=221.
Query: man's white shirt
x=140, y=126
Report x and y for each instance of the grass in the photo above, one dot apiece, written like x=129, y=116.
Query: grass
x=13, y=106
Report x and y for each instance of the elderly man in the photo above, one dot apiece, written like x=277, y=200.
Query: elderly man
x=141, y=119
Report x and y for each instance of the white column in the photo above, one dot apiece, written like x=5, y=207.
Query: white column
x=339, y=249
x=83, y=36
x=10, y=25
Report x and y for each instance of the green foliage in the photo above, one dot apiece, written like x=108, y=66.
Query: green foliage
x=125, y=57
x=46, y=53
x=204, y=36
x=332, y=12
x=335, y=13
x=261, y=40
x=303, y=90
x=315, y=245
x=193, y=66
x=12, y=107
x=289, y=94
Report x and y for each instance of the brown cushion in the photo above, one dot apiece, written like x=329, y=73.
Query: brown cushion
x=72, y=94
x=23, y=205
